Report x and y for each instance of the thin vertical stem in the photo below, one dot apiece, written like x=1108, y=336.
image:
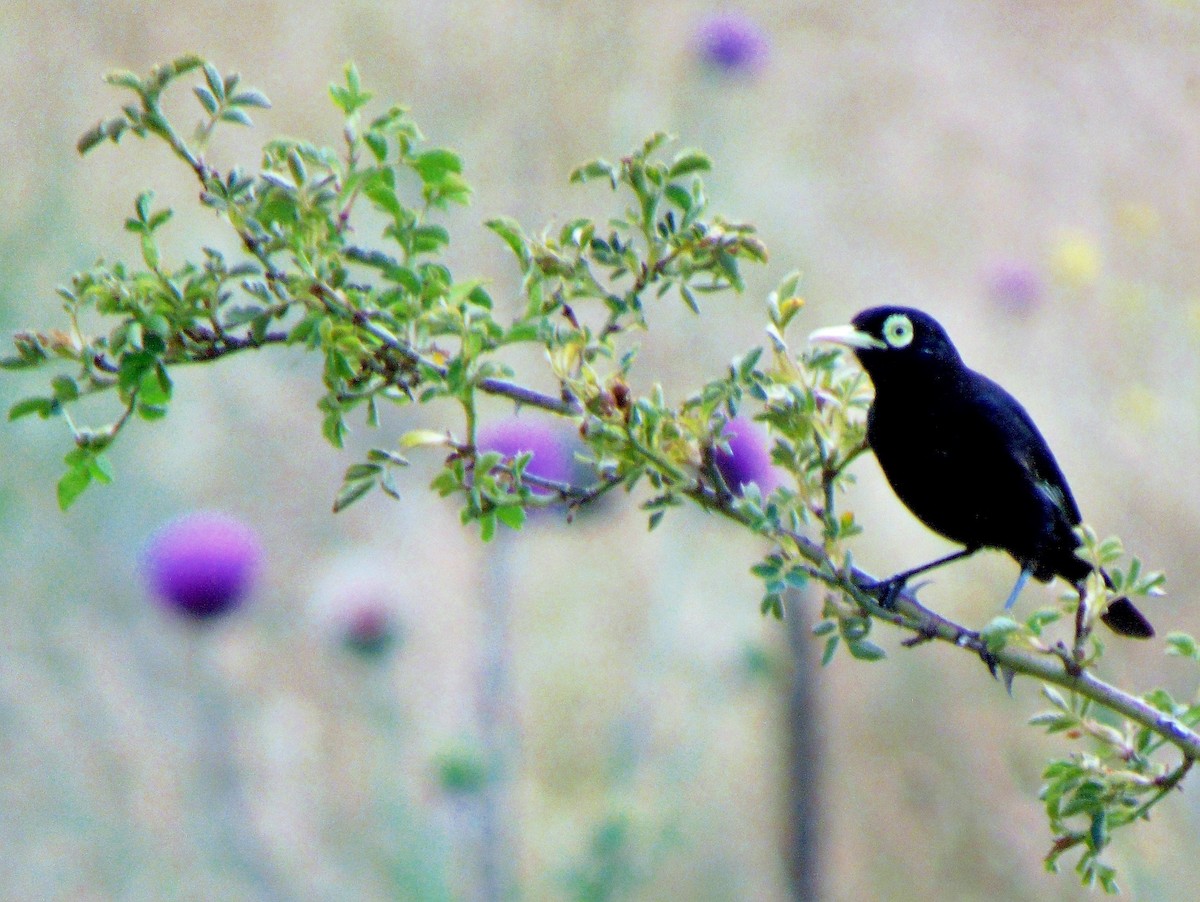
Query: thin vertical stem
x=804, y=756
x=496, y=727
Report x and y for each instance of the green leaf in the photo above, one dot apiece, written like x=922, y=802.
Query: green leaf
x=831, y=645
x=236, y=115
x=687, y=162
x=107, y=130
x=680, y=197
x=123, y=78
x=595, y=169
x=377, y=144
x=251, y=97
x=215, y=84
x=333, y=427
x=796, y=577
x=769, y=568
x=1055, y=697
x=429, y=238
x=383, y=456
x=1178, y=643
x=350, y=493
x=43, y=407
x=72, y=484
x=511, y=515
x=995, y=635
x=487, y=526
x=772, y=604
x=824, y=628
x=510, y=231
x=865, y=650
x=434, y=165
x=151, y=412
x=65, y=389
x=356, y=472
x=207, y=100
x=1054, y=721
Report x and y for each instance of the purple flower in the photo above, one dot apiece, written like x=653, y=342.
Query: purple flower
x=356, y=604
x=748, y=458
x=203, y=564
x=731, y=43
x=369, y=629
x=1014, y=286
x=551, y=449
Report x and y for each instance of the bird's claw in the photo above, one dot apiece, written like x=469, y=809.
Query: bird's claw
x=886, y=591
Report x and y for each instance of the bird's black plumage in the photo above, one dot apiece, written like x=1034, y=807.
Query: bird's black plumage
x=964, y=456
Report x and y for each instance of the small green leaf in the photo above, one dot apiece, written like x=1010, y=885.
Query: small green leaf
x=995, y=635
x=357, y=472
x=595, y=169
x=123, y=78
x=236, y=115
x=831, y=645
x=434, y=165
x=65, y=389
x=215, y=84
x=382, y=455
x=1055, y=697
x=43, y=407
x=377, y=144
x=1178, y=643
x=511, y=515
x=251, y=97
x=687, y=162
x=72, y=484
x=487, y=526
x=865, y=650
x=207, y=100
x=824, y=628
x=510, y=231
x=352, y=492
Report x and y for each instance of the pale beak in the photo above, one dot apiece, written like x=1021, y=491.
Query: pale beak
x=849, y=337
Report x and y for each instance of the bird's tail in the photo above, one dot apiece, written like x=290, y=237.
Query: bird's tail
x=1120, y=616
x=1123, y=618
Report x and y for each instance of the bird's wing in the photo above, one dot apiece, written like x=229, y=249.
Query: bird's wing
x=1016, y=432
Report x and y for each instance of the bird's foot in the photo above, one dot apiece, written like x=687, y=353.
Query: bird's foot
x=886, y=591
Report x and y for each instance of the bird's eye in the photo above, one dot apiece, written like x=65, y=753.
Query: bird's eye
x=898, y=331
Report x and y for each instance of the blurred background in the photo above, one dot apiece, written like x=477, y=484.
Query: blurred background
x=1025, y=171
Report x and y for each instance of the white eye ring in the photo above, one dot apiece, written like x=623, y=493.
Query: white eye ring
x=898, y=331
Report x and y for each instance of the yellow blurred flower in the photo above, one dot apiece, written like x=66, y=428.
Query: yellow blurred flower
x=1138, y=220
x=1139, y=406
x=1075, y=260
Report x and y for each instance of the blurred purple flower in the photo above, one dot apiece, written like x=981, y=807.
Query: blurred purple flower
x=748, y=459
x=369, y=629
x=732, y=43
x=551, y=449
x=203, y=564
x=1014, y=286
x=355, y=603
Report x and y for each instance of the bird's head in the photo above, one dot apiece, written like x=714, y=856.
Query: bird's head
x=894, y=340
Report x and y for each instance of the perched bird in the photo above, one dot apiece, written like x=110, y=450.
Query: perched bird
x=964, y=456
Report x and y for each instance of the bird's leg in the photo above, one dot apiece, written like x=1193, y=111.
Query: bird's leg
x=1016, y=589
x=886, y=590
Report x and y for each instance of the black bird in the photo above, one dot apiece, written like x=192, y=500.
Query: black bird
x=965, y=457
